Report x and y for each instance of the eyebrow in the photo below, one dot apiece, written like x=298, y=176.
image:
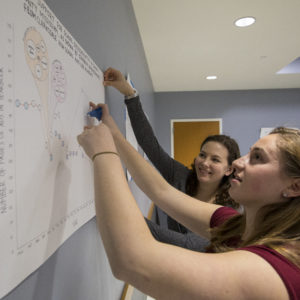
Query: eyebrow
x=214, y=155
x=258, y=149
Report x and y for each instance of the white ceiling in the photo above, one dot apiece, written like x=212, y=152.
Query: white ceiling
x=187, y=40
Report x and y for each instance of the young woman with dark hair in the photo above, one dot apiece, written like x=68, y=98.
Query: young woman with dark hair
x=208, y=180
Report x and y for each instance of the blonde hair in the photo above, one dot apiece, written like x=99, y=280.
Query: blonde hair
x=279, y=224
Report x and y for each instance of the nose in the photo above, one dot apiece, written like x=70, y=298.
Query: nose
x=239, y=163
x=201, y=161
x=204, y=161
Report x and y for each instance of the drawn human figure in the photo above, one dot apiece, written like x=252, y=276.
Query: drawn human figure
x=36, y=55
x=58, y=96
x=58, y=82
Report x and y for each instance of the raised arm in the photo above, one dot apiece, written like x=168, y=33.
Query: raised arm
x=160, y=270
x=188, y=211
x=170, y=169
x=174, y=172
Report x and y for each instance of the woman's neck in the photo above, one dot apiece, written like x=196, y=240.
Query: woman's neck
x=206, y=194
x=250, y=223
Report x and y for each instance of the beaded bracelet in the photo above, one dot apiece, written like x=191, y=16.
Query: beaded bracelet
x=105, y=152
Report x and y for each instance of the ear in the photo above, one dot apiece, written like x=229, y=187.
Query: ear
x=294, y=189
x=229, y=171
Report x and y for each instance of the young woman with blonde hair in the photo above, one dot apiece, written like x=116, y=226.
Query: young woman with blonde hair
x=252, y=256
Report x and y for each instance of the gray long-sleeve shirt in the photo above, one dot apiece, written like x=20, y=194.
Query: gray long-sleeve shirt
x=166, y=230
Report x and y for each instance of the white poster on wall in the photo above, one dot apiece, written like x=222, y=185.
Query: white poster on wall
x=46, y=83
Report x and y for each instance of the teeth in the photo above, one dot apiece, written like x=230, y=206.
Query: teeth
x=204, y=171
x=236, y=177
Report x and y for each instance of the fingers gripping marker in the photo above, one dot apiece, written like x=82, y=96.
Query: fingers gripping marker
x=97, y=113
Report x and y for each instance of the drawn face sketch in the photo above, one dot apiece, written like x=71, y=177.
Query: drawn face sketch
x=36, y=54
x=37, y=59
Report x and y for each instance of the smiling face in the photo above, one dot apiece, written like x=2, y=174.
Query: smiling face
x=258, y=176
x=212, y=163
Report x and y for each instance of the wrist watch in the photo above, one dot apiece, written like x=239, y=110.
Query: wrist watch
x=133, y=95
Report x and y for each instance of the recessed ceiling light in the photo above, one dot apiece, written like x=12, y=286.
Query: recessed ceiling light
x=243, y=22
x=211, y=77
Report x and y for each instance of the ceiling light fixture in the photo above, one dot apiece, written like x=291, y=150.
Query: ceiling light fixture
x=211, y=77
x=244, y=22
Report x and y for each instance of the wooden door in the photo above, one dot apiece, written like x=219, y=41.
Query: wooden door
x=187, y=136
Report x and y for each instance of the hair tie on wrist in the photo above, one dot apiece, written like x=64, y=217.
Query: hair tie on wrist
x=105, y=152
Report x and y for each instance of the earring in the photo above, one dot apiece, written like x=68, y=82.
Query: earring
x=285, y=195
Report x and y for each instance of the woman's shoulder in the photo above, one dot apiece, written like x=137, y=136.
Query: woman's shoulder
x=221, y=215
x=288, y=271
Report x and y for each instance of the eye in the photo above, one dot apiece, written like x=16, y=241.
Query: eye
x=215, y=160
x=31, y=49
x=256, y=157
x=201, y=155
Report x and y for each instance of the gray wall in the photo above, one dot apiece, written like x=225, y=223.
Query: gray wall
x=108, y=32
x=243, y=112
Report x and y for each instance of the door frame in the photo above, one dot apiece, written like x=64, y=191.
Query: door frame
x=172, y=121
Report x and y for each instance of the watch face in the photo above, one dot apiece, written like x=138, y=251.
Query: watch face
x=36, y=54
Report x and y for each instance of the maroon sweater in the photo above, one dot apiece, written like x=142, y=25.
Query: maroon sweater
x=289, y=273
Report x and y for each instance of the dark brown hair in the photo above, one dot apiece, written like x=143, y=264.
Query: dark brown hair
x=222, y=196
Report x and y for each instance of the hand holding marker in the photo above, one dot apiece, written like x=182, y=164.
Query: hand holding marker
x=97, y=113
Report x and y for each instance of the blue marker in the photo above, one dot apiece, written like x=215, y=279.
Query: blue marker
x=97, y=113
